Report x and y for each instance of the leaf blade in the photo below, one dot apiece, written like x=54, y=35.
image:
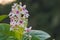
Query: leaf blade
x=2, y=17
x=40, y=34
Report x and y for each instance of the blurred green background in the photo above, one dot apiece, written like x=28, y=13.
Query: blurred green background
x=44, y=15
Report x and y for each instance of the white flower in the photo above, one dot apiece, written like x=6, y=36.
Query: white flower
x=27, y=15
x=21, y=3
x=18, y=16
x=24, y=6
x=15, y=4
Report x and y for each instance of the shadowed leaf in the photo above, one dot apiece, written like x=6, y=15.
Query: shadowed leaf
x=2, y=17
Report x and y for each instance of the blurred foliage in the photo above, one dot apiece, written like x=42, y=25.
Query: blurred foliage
x=44, y=15
x=2, y=17
x=6, y=34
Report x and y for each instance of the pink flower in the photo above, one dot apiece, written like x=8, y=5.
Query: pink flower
x=21, y=22
x=17, y=12
x=28, y=29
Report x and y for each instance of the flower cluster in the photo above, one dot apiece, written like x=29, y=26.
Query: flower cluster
x=18, y=16
x=19, y=19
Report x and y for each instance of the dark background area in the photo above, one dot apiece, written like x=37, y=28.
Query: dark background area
x=44, y=15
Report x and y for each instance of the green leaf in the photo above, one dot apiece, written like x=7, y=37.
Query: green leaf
x=4, y=31
x=34, y=37
x=2, y=17
x=41, y=35
x=4, y=27
x=36, y=34
x=11, y=38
